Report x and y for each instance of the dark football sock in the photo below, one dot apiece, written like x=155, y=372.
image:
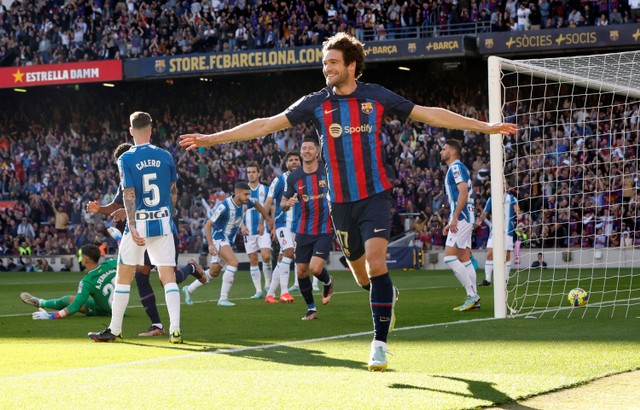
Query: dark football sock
x=307, y=291
x=324, y=276
x=381, y=305
x=147, y=297
x=184, y=272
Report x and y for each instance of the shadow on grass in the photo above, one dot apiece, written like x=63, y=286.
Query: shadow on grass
x=477, y=390
x=294, y=356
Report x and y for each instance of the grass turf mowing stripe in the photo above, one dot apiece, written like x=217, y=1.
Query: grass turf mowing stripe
x=230, y=351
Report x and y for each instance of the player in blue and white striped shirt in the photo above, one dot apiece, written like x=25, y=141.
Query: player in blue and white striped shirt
x=257, y=237
x=457, y=251
x=220, y=231
x=148, y=177
x=510, y=214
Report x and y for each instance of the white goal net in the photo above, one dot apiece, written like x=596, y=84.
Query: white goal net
x=573, y=167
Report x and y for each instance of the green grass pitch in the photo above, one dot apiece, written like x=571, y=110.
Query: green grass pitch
x=263, y=356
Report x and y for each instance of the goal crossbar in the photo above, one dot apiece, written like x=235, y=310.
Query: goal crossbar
x=625, y=81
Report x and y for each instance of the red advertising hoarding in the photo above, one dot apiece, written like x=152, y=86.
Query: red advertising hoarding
x=69, y=73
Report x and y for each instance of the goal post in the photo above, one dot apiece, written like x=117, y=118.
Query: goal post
x=574, y=168
x=497, y=187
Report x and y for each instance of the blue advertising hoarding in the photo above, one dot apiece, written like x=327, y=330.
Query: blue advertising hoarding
x=288, y=58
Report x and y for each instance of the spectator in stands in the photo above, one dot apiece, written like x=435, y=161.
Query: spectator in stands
x=26, y=229
x=539, y=263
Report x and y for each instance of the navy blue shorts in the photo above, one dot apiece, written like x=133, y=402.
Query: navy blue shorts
x=313, y=245
x=357, y=222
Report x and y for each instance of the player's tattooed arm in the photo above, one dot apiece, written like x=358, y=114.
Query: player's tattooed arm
x=174, y=194
x=129, y=198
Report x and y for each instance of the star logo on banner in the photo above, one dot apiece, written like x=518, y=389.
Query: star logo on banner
x=18, y=76
x=636, y=35
x=510, y=42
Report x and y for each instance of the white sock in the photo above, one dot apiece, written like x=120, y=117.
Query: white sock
x=227, y=282
x=206, y=273
x=284, y=266
x=460, y=273
x=267, y=270
x=315, y=282
x=172, y=298
x=507, y=271
x=118, y=306
x=195, y=285
x=488, y=271
x=275, y=281
x=255, y=277
x=471, y=273
x=295, y=276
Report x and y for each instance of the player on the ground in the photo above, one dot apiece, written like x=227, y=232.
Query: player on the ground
x=308, y=186
x=257, y=237
x=147, y=296
x=510, y=214
x=220, y=231
x=94, y=295
x=148, y=178
x=285, y=227
x=457, y=250
x=348, y=115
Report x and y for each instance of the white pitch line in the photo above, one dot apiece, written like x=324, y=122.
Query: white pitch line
x=229, y=351
x=247, y=298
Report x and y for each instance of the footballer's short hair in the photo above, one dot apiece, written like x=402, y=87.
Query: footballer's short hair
x=140, y=120
x=253, y=164
x=92, y=252
x=121, y=149
x=312, y=140
x=242, y=185
x=455, y=144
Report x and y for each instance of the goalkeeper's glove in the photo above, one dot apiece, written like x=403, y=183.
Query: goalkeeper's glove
x=42, y=314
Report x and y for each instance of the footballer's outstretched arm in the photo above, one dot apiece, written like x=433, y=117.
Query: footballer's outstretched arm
x=249, y=130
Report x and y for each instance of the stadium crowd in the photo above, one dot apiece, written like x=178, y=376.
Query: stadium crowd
x=43, y=32
x=576, y=183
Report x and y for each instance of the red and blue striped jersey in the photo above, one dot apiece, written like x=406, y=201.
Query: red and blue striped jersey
x=349, y=129
x=312, y=196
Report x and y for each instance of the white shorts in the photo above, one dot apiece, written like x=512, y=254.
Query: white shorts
x=161, y=250
x=508, y=242
x=285, y=238
x=462, y=238
x=219, y=243
x=253, y=243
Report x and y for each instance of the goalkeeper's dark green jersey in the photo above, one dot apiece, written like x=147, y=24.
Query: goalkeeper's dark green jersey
x=98, y=284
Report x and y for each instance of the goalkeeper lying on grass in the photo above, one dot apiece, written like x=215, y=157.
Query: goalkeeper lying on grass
x=95, y=290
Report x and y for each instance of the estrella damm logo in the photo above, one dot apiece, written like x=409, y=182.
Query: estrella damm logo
x=366, y=107
x=160, y=66
x=335, y=130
